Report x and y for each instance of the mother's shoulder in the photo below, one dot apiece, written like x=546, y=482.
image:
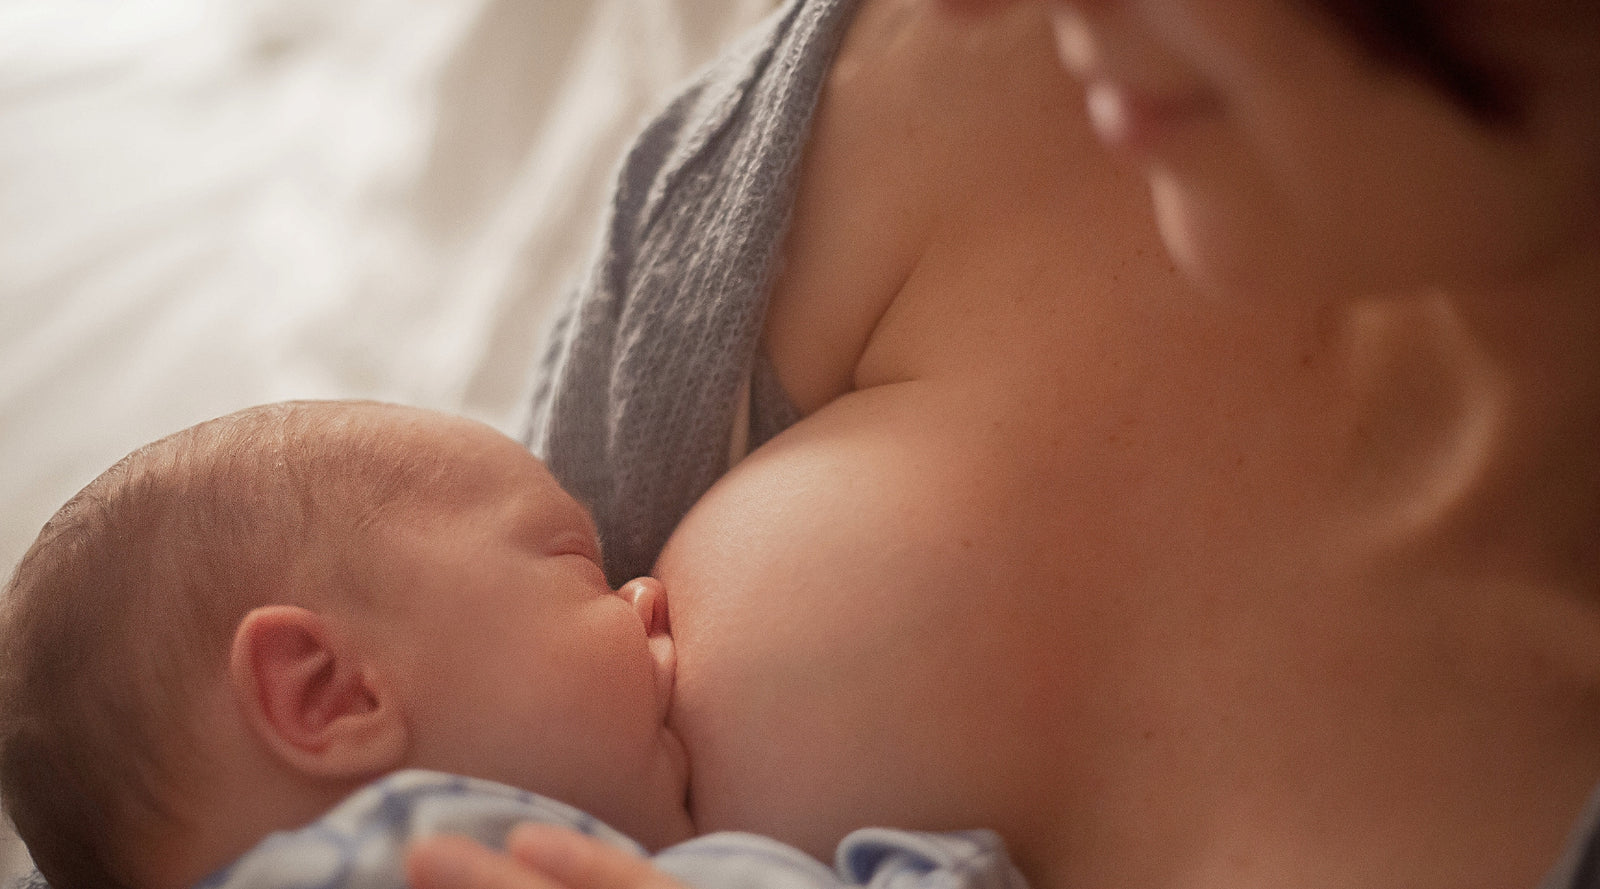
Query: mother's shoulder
x=951, y=200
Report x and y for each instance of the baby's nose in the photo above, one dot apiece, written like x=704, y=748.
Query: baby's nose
x=649, y=599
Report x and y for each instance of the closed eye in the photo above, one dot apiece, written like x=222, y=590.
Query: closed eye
x=576, y=545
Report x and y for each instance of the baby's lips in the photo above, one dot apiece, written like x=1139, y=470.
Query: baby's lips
x=649, y=599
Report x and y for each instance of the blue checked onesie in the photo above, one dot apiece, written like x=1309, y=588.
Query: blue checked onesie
x=361, y=842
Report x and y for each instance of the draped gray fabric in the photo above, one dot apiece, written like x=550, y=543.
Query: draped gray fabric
x=637, y=392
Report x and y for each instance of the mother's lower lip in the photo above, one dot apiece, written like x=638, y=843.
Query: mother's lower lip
x=1137, y=123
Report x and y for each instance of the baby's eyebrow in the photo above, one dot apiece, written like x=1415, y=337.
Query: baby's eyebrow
x=538, y=515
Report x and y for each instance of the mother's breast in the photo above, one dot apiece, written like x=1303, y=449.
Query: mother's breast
x=864, y=635
x=971, y=598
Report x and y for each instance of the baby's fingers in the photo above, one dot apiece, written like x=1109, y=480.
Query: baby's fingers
x=452, y=862
x=575, y=861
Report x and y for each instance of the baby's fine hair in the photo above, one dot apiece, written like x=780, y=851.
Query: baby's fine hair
x=124, y=609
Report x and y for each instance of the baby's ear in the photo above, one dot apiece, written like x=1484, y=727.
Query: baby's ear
x=312, y=698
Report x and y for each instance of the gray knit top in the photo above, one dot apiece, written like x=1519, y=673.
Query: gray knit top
x=639, y=385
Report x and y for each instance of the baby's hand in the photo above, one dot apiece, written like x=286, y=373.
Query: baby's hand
x=538, y=856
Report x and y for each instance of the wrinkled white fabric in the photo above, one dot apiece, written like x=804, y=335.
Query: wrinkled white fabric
x=209, y=205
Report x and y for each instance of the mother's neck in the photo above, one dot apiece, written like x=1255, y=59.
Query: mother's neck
x=1536, y=340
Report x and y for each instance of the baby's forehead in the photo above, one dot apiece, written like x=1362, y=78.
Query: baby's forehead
x=440, y=462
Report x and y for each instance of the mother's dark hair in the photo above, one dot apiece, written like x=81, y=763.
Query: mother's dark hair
x=1429, y=40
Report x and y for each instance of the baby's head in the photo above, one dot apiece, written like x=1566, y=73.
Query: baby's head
x=237, y=625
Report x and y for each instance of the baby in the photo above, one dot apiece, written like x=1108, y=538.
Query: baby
x=238, y=627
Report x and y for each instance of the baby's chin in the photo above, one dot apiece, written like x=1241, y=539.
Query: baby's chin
x=669, y=821
x=678, y=759
x=665, y=656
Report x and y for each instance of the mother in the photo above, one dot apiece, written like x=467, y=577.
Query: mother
x=1289, y=581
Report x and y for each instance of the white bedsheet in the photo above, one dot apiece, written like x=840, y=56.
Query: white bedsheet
x=206, y=205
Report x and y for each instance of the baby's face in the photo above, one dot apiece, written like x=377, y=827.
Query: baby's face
x=516, y=660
